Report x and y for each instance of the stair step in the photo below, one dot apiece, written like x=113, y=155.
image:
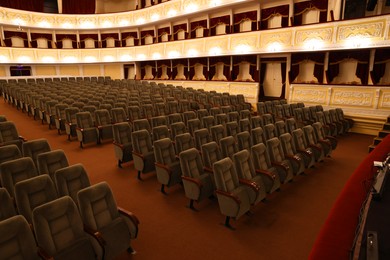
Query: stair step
x=377, y=140
x=383, y=133
x=386, y=126
x=370, y=148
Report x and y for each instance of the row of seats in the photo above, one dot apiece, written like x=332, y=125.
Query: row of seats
x=40, y=188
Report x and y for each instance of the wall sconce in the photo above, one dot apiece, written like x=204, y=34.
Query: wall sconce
x=126, y=57
x=90, y=59
x=156, y=55
x=191, y=8
x=70, y=59
x=155, y=17
x=243, y=48
x=141, y=56
x=3, y=58
x=123, y=22
x=108, y=58
x=24, y=59
x=173, y=54
x=313, y=44
x=192, y=53
x=358, y=41
x=215, y=51
x=172, y=13
x=48, y=59
x=140, y=21
x=274, y=47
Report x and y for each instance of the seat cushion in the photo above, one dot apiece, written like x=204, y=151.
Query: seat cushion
x=80, y=249
x=117, y=237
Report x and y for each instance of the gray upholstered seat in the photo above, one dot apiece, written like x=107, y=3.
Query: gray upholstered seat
x=17, y=240
x=122, y=142
x=142, y=124
x=280, y=128
x=167, y=165
x=193, y=125
x=201, y=137
x=177, y=129
x=257, y=135
x=244, y=141
x=60, y=234
x=69, y=180
x=269, y=131
x=158, y=121
x=104, y=124
x=143, y=155
x=15, y=171
x=9, y=152
x=50, y=162
x=311, y=142
x=264, y=168
x=183, y=142
x=210, y=154
x=322, y=139
x=7, y=208
x=279, y=161
x=60, y=117
x=296, y=159
x=99, y=212
x=34, y=192
x=9, y=134
x=245, y=124
x=217, y=132
x=118, y=115
x=208, y=122
x=302, y=148
x=35, y=147
x=71, y=121
x=86, y=131
x=233, y=198
x=160, y=132
x=256, y=121
x=197, y=183
x=248, y=177
x=228, y=146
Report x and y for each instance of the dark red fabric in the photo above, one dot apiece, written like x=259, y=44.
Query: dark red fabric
x=129, y=34
x=281, y=10
x=337, y=234
x=60, y=37
x=83, y=37
x=160, y=63
x=237, y=18
x=9, y=34
x=216, y=20
x=36, y=36
x=381, y=56
x=115, y=36
x=202, y=61
x=317, y=57
x=195, y=25
x=78, y=7
x=226, y=60
x=301, y=6
x=35, y=6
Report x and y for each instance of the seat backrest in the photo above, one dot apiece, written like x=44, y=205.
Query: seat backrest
x=210, y=154
x=267, y=119
x=8, y=131
x=84, y=120
x=183, y=142
x=142, y=124
x=287, y=144
x=208, y=121
x=164, y=152
x=269, y=131
x=141, y=141
x=275, y=150
x=15, y=171
x=61, y=215
x=318, y=131
x=217, y=132
x=202, y=113
x=299, y=139
x=103, y=117
x=233, y=116
x=174, y=118
x=228, y=146
x=191, y=163
x=122, y=133
x=245, y=125
x=309, y=135
x=7, y=208
x=17, y=240
x=50, y=162
x=244, y=141
x=291, y=125
x=243, y=164
x=225, y=175
x=9, y=152
x=118, y=115
x=257, y=135
x=193, y=125
x=35, y=147
x=158, y=121
x=178, y=128
x=260, y=108
x=160, y=132
x=257, y=121
x=97, y=206
x=188, y=115
x=134, y=112
x=201, y=137
x=69, y=180
x=260, y=157
x=34, y=192
x=280, y=127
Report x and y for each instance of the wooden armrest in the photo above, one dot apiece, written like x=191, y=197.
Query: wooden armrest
x=22, y=138
x=324, y=141
x=208, y=169
x=276, y=164
x=164, y=166
x=253, y=185
x=266, y=173
x=129, y=215
x=315, y=147
x=96, y=234
x=118, y=144
x=43, y=254
x=196, y=181
x=138, y=154
x=308, y=152
x=230, y=195
x=294, y=157
x=80, y=129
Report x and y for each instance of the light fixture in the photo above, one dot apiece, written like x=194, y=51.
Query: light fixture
x=48, y=59
x=108, y=58
x=358, y=41
x=192, y=53
x=173, y=54
x=191, y=8
x=243, y=48
x=313, y=44
x=215, y=51
x=274, y=47
x=172, y=13
x=155, y=17
x=140, y=21
x=156, y=55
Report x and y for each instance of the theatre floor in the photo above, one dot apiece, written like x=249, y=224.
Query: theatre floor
x=285, y=227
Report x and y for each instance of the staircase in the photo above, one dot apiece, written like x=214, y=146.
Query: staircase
x=382, y=134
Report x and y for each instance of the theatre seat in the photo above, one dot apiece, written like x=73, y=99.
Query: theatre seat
x=210, y=154
x=9, y=135
x=232, y=197
x=60, y=234
x=35, y=147
x=296, y=159
x=228, y=146
x=167, y=164
x=257, y=135
x=183, y=142
x=7, y=208
x=248, y=177
x=278, y=160
x=104, y=124
x=17, y=240
x=50, y=162
x=9, y=152
x=143, y=155
x=86, y=131
x=160, y=132
x=122, y=142
x=311, y=142
x=197, y=183
x=100, y=213
x=302, y=147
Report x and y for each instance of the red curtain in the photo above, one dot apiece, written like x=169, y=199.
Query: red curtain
x=147, y=63
x=362, y=56
x=226, y=68
x=9, y=34
x=84, y=37
x=174, y=67
x=218, y=20
x=268, y=13
x=36, y=36
x=301, y=7
x=146, y=33
x=381, y=57
x=126, y=35
x=105, y=36
x=34, y=6
x=196, y=25
x=162, y=31
x=297, y=58
x=61, y=37
x=78, y=7
x=160, y=64
x=252, y=59
x=238, y=18
x=194, y=61
x=180, y=27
